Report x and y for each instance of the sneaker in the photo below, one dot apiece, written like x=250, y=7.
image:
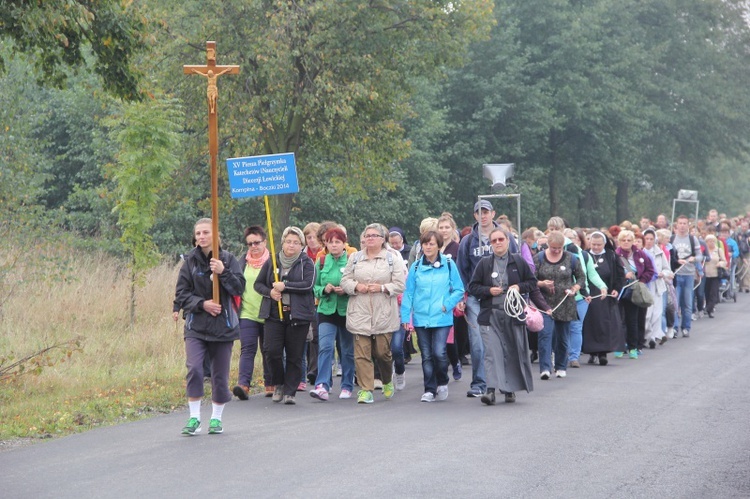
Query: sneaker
x=241, y=391
x=214, y=427
x=670, y=333
x=345, y=394
x=474, y=392
x=694, y=317
x=400, y=381
x=365, y=397
x=338, y=372
x=193, y=427
x=319, y=393
x=278, y=394
x=289, y=400
x=269, y=391
x=510, y=397
x=302, y=386
x=388, y=390
x=457, y=371
x=489, y=398
x=378, y=384
x=574, y=363
x=428, y=397
x=534, y=356
x=618, y=355
x=633, y=354
x=545, y=375
x=592, y=359
x=442, y=392
x=685, y=333
x=561, y=374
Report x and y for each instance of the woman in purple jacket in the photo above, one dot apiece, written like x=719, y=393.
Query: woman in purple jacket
x=638, y=266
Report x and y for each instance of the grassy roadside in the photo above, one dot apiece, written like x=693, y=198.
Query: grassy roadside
x=118, y=374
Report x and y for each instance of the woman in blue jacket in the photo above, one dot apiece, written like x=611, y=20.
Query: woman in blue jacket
x=433, y=289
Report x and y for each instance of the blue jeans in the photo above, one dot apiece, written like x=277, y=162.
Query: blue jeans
x=700, y=295
x=554, y=337
x=327, y=334
x=397, y=350
x=432, y=347
x=475, y=344
x=684, y=288
x=576, y=330
x=664, y=300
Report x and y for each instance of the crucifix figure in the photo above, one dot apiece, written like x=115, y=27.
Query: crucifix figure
x=211, y=72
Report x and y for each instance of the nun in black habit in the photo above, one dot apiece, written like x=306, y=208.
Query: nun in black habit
x=602, y=327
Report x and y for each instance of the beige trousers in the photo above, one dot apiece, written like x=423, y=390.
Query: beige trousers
x=367, y=347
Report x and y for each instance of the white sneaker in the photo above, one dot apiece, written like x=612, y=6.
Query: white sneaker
x=428, y=397
x=378, y=384
x=400, y=381
x=345, y=394
x=560, y=374
x=442, y=392
x=545, y=374
x=670, y=333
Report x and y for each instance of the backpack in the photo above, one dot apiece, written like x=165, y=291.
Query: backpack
x=673, y=252
x=742, y=243
x=359, y=254
x=539, y=259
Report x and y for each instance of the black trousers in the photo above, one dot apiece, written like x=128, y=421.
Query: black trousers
x=634, y=318
x=281, y=337
x=712, y=293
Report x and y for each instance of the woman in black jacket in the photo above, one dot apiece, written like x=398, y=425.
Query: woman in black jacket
x=287, y=332
x=210, y=327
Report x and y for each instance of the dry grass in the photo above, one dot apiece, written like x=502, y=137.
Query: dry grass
x=120, y=373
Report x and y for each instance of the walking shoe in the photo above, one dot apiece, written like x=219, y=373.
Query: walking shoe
x=474, y=392
x=574, y=363
x=457, y=371
x=603, y=359
x=534, y=356
x=269, y=391
x=345, y=394
x=710, y=315
x=193, y=427
x=319, y=392
x=663, y=339
x=241, y=391
x=489, y=397
x=545, y=375
x=428, y=397
x=510, y=397
x=388, y=390
x=694, y=317
x=651, y=344
x=289, y=400
x=633, y=354
x=400, y=381
x=338, y=372
x=618, y=355
x=214, y=427
x=592, y=359
x=561, y=374
x=670, y=333
x=365, y=397
x=442, y=392
x=685, y=333
x=302, y=386
x=278, y=394
x=378, y=384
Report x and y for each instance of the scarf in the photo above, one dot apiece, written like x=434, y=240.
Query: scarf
x=287, y=261
x=257, y=263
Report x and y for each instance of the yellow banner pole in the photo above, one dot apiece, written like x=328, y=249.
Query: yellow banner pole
x=273, y=250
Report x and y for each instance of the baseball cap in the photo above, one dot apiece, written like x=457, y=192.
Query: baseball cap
x=482, y=205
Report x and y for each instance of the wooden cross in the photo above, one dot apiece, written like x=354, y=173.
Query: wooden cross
x=211, y=72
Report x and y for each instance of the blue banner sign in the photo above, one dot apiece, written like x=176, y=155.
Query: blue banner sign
x=266, y=175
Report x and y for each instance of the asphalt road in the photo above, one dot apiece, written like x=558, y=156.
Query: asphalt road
x=674, y=423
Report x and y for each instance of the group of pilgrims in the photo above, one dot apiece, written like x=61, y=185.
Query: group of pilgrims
x=484, y=296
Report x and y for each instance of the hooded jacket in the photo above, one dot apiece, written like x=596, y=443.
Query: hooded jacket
x=432, y=292
x=194, y=286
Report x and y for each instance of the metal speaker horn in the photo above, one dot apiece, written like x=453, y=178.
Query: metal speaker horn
x=499, y=174
x=685, y=195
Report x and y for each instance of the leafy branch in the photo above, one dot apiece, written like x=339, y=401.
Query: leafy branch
x=34, y=363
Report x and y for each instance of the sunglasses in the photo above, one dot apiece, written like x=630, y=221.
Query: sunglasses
x=254, y=243
x=498, y=240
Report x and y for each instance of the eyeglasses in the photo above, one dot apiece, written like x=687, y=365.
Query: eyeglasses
x=498, y=240
x=292, y=242
x=555, y=249
x=254, y=243
x=372, y=236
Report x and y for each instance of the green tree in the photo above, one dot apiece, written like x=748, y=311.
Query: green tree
x=57, y=32
x=149, y=139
